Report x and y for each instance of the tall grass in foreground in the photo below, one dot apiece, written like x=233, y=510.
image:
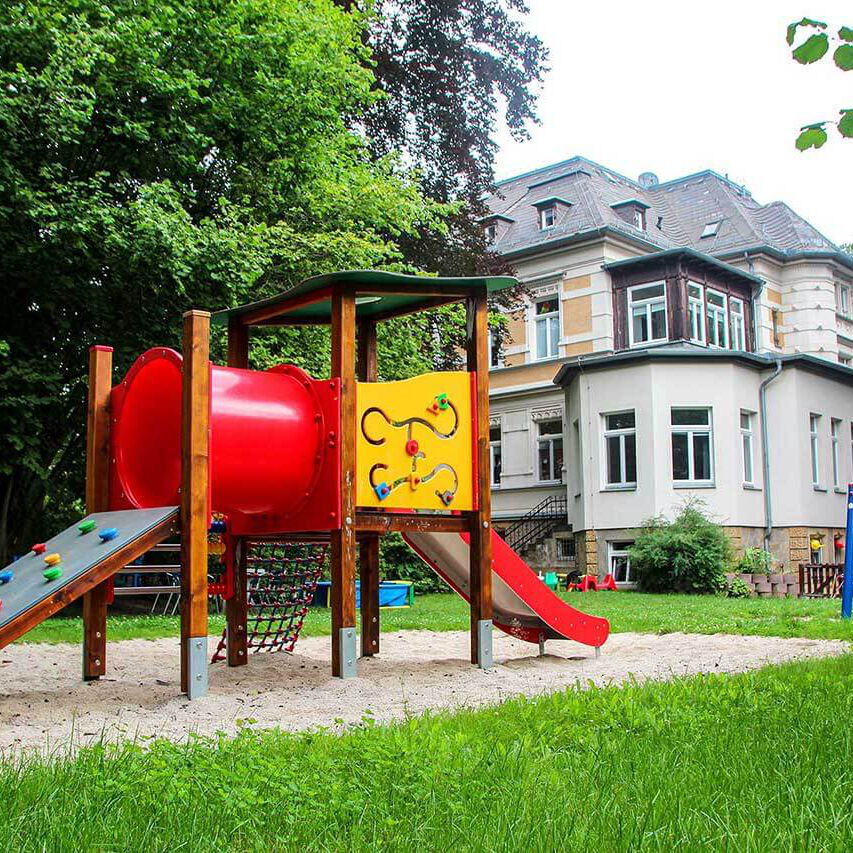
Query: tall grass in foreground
x=759, y=761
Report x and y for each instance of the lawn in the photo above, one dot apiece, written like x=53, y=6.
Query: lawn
x=760, y=761
x=627, y=611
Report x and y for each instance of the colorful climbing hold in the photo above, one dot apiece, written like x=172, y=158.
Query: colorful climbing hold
x=443, y=401
x=217, y=525
x=382, y=490
x=433, y=408
x=412, y=447
x=108, y=533
x=6, y=576
x=52, y=574
x=52, y=559
x=39, y=548
x=447, y=498
x=414, y=481
x=87, y=526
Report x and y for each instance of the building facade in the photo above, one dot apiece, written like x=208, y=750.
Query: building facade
x=680, y=342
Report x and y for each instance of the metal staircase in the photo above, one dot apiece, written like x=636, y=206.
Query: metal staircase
x=538, y=524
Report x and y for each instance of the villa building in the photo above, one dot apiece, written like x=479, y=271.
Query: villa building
x=681, y=341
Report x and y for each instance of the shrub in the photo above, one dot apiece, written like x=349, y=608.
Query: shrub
x=736, y=588
x=755, y=561
x=397, y=561
x=688, y=554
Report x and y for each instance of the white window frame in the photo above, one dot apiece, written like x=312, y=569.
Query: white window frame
x=544, y=212
x=737, y=324
x=691, y=431
x=835, y=434
x=747, y=439
x=612, y=552
x=620, y=435
x=640, y=218
x=716, y=310
x=546, y=318
x=814, y=443
x=492, y=446
x=497, y=362
x=844, y=300
x=549, y=439
x=648, y=304
x=490, y=232
x=696, y=302
x=561, y=558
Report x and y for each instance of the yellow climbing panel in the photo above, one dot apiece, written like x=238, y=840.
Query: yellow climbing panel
x=414, y=442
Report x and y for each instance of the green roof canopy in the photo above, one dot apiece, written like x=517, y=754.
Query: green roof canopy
x=379, y=295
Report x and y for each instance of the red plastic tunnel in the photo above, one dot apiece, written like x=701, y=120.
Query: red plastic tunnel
x=271, y=434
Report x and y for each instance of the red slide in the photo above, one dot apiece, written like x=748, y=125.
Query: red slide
x=523, y=606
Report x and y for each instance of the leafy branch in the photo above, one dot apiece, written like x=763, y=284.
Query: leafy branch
x=814, y=48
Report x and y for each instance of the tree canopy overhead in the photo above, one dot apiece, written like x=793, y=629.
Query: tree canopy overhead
x=160, y=155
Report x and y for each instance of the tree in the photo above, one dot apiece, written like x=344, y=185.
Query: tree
x=159, y=155
x=812, y=49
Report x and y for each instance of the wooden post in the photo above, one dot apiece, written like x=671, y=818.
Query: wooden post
x=481, y=529
x=368, y=553
x=237, y=607
x=195, y=509
x=97, y=500
x=343, y=540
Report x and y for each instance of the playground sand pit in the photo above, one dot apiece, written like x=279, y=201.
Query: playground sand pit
x=44, y=705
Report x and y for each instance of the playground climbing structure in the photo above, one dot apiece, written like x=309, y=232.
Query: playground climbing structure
x=236, y=460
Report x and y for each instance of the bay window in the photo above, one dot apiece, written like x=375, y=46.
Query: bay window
x=717, y=320
x=696, y=313
x=620, y=450
x=647, y=313
x=692, y=447
x=738, y=322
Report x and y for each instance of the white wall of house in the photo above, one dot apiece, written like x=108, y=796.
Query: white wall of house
x=652, y=389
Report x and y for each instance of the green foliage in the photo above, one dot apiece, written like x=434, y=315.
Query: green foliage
x=755, y=561
x=159, y=156
x=397, y=561
x=737, y=588
x=688, y=554
x=652, y=766
x=814, y=48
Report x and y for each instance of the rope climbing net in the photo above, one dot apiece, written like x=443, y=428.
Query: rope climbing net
x=282, y=578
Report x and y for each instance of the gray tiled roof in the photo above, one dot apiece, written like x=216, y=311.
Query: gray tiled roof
x=677, y=214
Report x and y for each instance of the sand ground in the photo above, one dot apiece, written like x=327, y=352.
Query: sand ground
x=44, y=705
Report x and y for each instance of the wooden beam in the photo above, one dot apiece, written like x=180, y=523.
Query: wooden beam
x=386, y=522
x=195, y=508
x=481, y=518
x=87, y=582
x=368, y=554
x=97, y=500
x=265, y=313
x=237, y=607
x=368, y=564
x=343, y=541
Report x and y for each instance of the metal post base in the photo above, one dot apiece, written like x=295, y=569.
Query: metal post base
x=346, y=639
x=541, y=645
x=598, y=651
x=197, y=667
x=484, y=643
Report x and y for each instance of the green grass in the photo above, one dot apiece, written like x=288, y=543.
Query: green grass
x=754, y=762
x=627, y=611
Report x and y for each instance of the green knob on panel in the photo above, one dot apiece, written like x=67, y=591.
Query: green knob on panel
x=52, y=574
x=87, y=526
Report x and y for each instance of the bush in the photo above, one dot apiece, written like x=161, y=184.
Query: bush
x=755, y=561
x=397, y=561
x=688, y=554
x=736, y=588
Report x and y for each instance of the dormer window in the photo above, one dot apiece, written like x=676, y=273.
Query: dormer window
x=633, y=211
x=495, y=225
x=549, y=209
x=491, y=232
